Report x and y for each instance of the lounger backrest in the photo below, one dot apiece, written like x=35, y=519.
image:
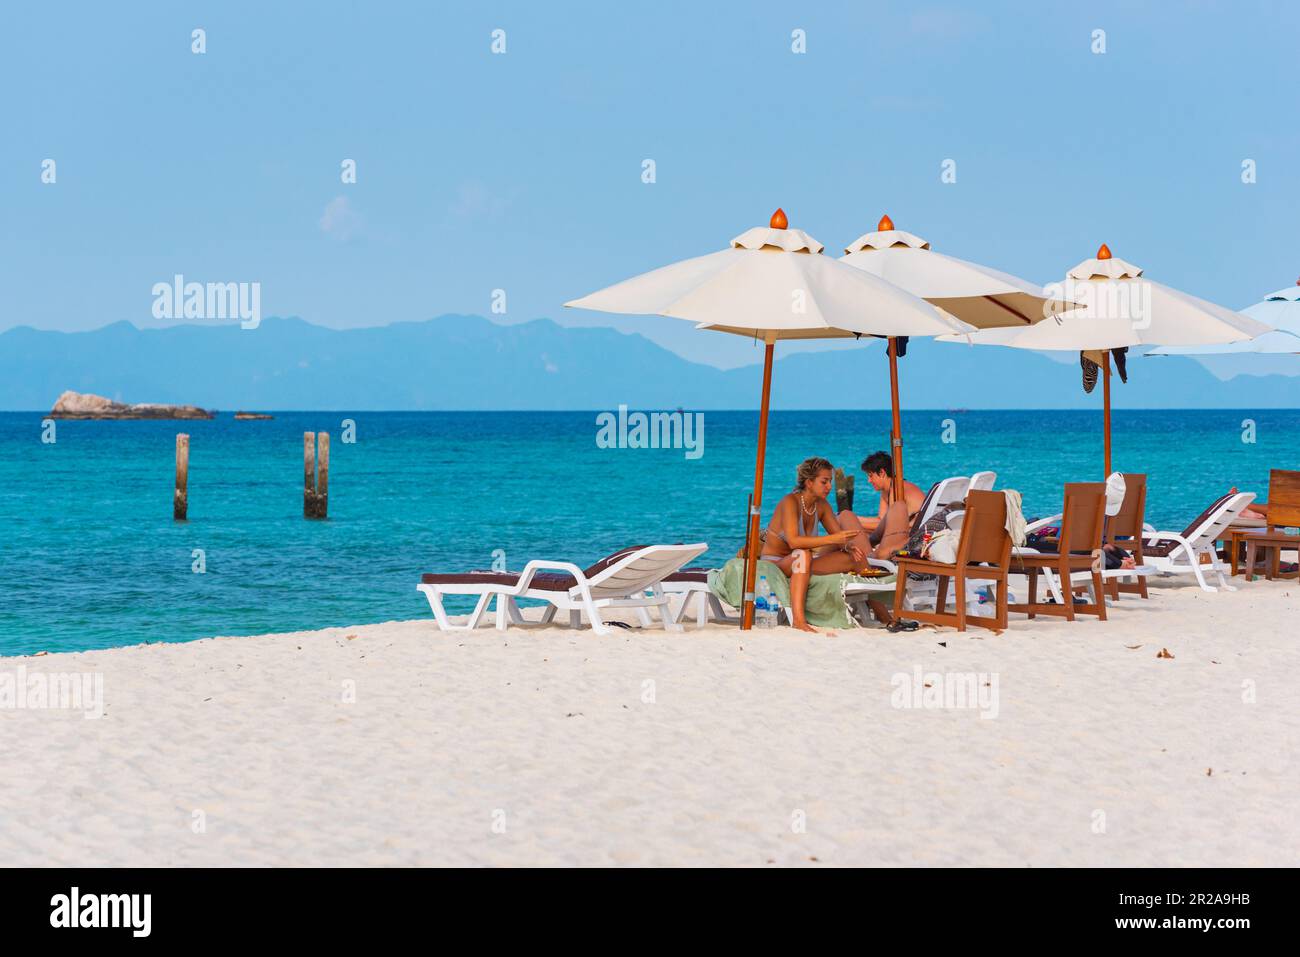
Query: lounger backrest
x=1082, y=517
x=640, y=569
x=591, y=571
x=1284, y=498
x=947, y=492
x=983, y=481
x=984, y=536
x=926, y=508
x=952, y=492
x=1128, y=521
x=1193, y=529
x=1211, y=523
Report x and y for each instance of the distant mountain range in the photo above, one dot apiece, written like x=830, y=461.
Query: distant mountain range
x=467, y=362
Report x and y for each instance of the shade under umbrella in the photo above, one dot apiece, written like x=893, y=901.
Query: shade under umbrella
x=772, y=283
x=982, y=297
x=1121, y=308
x=1280, y=311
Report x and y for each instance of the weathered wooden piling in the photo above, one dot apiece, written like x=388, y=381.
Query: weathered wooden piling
x=315, y=475
x=181, y=502
x=322, y=474
x=308, y=474
x=843, y=490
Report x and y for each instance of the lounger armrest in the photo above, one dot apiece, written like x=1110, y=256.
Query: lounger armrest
x=1043, y=523
x=536, y=565
x=1148, y=527
x=1154, y=537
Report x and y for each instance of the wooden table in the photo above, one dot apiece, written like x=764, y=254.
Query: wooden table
x=1265, y=539
x=1234, y=542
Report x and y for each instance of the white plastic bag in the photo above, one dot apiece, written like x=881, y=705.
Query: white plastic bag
x=943, y=547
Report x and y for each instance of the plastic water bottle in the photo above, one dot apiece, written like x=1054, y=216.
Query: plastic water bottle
x=774, y=609
x=763, y=599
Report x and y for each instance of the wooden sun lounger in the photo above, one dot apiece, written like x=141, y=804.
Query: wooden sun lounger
x=1078, y=553
x=983, y=554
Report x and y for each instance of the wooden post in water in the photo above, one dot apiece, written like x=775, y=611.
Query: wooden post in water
x=322, y=474
x=308, y=474
x=315, y=474
x=181, y=502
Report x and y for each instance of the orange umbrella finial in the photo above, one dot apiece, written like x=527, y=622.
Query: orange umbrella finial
x=885, y=224
x=1103, y=252
x=778, y=219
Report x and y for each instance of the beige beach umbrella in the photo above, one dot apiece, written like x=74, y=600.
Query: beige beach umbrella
x=982, y=297
x=1120, y=308
x=773, y=283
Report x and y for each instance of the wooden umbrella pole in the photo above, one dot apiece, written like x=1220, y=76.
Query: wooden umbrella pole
x=1105, y=392
x=756, y=508
x=896, y=437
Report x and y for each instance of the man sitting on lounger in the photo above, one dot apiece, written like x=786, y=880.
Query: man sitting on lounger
x=886, y=532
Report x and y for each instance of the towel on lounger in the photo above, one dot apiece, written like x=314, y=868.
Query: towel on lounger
x=1015, y=518
x=825, y=606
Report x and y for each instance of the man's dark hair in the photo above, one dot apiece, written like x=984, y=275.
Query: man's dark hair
x=877, y=461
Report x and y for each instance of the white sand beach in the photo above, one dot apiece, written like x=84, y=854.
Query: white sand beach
x=553, y=747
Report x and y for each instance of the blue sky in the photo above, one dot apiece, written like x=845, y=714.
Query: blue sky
x=522, y=171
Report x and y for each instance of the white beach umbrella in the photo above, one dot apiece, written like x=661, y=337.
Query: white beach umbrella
x=1121, y=308
x=983, y=297
x=1280, y=311
x=1277, y=342
x=773, y=283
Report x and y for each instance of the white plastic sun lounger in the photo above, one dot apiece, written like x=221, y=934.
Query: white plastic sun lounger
x=1083, y=578
x=1180, y=553
x=631, y=578
x=1177, y=553
x=691, y=586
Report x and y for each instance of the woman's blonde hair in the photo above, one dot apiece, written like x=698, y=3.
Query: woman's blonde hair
x=808, y=469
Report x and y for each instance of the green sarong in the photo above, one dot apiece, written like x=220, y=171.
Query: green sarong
x=825, y=606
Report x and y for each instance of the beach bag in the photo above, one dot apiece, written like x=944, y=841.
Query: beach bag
x=937, y=523
x=943, y=547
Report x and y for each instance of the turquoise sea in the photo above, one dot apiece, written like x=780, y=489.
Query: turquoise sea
x=91, y=558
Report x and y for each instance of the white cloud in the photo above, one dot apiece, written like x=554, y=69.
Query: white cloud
x=476, y=201
x=340, y=221
x=948, y=23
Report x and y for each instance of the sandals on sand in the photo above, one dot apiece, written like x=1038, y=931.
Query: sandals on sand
x=902, y=624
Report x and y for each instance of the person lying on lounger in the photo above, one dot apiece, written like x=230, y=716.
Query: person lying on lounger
x=883, y=534
x=1248, y=511
x=791, y=541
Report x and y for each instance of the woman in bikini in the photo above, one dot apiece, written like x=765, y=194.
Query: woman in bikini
x=791, y=542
